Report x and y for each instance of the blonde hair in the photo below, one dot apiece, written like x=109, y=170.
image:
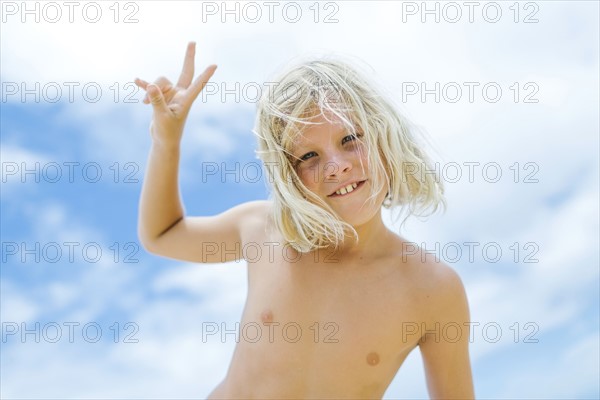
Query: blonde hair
x=332, y=86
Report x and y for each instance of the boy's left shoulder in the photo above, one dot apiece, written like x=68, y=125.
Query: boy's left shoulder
x=442, y=277
x=439, y=283
x=445, y=295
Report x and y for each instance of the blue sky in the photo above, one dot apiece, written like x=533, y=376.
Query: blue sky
x=545, y=303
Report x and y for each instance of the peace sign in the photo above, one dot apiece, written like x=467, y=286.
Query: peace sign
x=171, y=104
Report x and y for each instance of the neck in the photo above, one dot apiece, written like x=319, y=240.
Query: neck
x=373, y=237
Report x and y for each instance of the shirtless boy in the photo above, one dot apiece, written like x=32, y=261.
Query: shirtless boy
x=335, y=301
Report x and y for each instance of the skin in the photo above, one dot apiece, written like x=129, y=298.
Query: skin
x=326, y=324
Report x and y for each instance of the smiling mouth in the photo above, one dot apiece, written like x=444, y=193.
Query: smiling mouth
x=345, y=191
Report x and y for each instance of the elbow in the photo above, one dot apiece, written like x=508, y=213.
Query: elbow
x=147, y=242
x=147, y=247
x=150, y=242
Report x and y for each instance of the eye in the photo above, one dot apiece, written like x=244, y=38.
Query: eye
x=306, y=156
x=351, y=138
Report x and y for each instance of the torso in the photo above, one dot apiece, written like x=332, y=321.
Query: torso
x=316, y=328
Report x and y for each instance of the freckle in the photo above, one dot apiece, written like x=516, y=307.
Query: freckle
x=266, y=316
x=373, y=358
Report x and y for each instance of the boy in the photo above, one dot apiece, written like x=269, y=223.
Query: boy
x=335, y=302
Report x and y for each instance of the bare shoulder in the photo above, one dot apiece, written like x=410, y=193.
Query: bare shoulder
x=442, y=280
x=254, y=214
x=255, y=209
x=440, y=286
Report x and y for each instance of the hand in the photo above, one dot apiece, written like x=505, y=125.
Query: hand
x=171, y=104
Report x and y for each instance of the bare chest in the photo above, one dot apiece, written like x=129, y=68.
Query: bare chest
x=328, y=324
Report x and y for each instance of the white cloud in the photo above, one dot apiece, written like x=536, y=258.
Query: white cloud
x=16, y=162
x=579, y=362
x=15, y=306
x=169, y=359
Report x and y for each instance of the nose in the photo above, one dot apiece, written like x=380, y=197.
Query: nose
x=337, y=165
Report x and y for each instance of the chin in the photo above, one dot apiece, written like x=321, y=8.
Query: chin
x=362, y=217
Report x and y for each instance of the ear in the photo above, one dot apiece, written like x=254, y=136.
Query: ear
x=387, y=202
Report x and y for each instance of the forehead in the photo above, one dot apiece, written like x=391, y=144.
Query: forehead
x=320, y=127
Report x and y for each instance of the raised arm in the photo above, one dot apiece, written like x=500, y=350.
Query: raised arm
x=445, y=349
x=163, y=228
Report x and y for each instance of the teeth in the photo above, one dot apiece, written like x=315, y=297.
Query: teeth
x=347, y=189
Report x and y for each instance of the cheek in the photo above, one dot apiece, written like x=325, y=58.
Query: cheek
x=310, y=178
x=360, y=151
x=363, y=162
x=309, y=174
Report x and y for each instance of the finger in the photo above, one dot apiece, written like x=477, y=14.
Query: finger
x=200, y=82
x=143, y=85
x=187, y=73
x=156, y=98
x=163, y=84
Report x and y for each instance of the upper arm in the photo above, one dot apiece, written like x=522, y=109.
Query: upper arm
x=209, y=239
x=445, y=348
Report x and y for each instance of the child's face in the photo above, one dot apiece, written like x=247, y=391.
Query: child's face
x=328, y=157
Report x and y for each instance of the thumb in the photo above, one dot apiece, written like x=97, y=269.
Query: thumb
x=156, y=98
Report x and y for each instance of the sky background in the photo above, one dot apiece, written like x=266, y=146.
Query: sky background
x=111, y=321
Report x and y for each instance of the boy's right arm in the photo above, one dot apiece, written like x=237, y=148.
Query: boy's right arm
x=163, y=228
